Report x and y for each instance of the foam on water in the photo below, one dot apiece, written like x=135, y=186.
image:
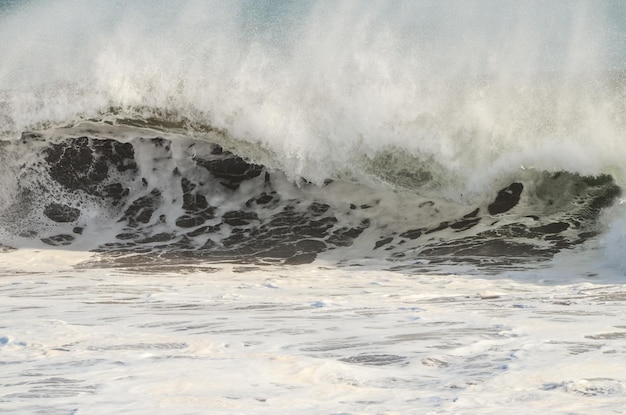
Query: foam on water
x=309, y=339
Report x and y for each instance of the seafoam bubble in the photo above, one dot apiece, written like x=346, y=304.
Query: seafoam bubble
x=588, y=387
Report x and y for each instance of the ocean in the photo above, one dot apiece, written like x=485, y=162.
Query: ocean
x=312, y=207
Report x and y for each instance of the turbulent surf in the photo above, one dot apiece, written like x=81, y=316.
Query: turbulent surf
x=249, y=134
x=312, y=206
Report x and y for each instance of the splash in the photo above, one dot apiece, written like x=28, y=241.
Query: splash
x=477, y=86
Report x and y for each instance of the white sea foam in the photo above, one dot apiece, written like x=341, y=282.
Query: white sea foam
x=310, y=339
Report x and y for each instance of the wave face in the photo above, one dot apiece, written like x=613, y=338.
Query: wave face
x=185, y=198
x=282, y=131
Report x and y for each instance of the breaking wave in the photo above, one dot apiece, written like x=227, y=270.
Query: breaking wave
x=289, y=131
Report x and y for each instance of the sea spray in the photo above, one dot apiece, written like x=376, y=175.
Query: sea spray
x=472, y=85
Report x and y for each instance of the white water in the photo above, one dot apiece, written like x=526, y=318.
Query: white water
x=199, y=339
